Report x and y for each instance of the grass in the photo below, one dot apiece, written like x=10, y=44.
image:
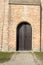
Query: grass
x=5, y=56
x=39, y=55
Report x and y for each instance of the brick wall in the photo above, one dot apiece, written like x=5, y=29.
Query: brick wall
x=4, y=25
x=28, y=13
x=10, y=17
x=1, y=21
x=42, y=27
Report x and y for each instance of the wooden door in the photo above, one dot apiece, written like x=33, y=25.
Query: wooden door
x=24, y=37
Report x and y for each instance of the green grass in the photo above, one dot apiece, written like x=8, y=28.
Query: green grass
x=39, y=55
x=5, y=56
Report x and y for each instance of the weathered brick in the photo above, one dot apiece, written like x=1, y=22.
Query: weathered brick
x=12, y=15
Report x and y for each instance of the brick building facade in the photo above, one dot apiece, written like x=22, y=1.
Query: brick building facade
x=12, y=14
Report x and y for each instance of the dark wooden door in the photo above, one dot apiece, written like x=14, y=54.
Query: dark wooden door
x=25, y=37
x=28, y=38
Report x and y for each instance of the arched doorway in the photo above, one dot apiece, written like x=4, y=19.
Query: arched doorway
x=24, y=37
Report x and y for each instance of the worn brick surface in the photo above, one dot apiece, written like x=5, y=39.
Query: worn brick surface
x=12, y=15
x=42, y=27
x=28, y=13
x=1, y=20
